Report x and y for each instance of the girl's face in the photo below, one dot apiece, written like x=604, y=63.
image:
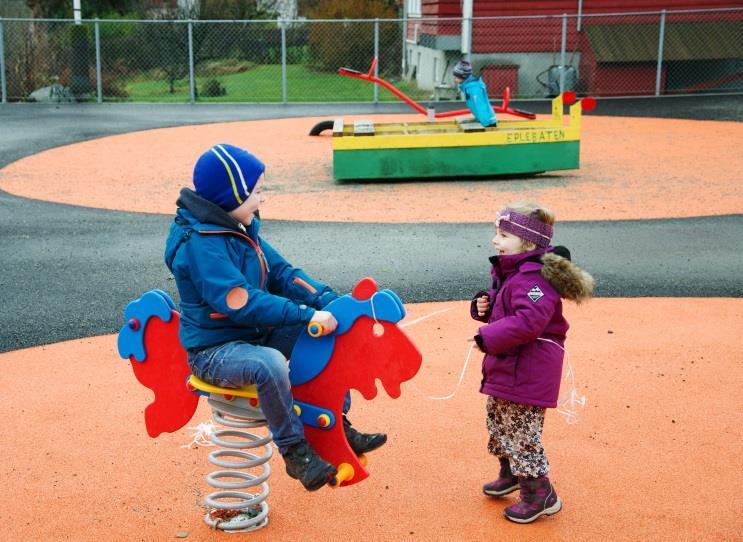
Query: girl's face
x=507, y=243
x=245, y=213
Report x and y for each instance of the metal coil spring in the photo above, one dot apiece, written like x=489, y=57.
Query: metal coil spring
x=250, y=512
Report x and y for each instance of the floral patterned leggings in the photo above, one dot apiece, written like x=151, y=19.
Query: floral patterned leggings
x=516, y=434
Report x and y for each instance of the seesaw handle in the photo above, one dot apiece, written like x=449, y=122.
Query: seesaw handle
x=315, y=329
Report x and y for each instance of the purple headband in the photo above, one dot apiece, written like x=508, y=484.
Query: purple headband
x=524, y=226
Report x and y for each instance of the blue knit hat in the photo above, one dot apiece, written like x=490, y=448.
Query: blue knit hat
x=463, y=69
x=226, y=175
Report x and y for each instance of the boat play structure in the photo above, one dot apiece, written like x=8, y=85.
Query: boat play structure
x=444, y=147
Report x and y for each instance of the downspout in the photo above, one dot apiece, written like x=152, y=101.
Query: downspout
x=77, y=12
x=467, y=10
x=404, y=64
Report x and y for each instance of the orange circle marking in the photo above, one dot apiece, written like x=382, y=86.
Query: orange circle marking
x=699, y=175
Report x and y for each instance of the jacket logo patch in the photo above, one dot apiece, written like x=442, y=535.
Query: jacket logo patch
x=535, y=294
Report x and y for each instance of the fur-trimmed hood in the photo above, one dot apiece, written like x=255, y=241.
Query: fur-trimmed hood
x=570, y=281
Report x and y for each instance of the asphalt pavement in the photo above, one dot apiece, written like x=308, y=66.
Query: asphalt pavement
x=68, y=272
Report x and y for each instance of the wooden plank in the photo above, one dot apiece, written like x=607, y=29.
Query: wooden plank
x=363, y=128
x=337, y=127
x=472, y=127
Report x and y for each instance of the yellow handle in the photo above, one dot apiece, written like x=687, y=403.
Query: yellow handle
x=344, y=474
x=315, y=329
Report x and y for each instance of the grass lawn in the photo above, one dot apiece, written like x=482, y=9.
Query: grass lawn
x=263, y=84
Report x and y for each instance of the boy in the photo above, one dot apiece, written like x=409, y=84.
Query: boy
x=475, y=93
x=243, y=305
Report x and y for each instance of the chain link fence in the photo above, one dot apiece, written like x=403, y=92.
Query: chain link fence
x=629, y=54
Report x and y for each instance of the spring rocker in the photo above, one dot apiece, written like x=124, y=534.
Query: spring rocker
x=367, y=345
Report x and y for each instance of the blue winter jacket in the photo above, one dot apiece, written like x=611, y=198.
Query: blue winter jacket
x=476, y=97
x=209, y=254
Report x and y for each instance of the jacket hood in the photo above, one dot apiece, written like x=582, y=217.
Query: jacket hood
x=471, y=80
x=506, y=264
x=570, y=281
x=554, y=264
x=199, y=214
x=206, y=212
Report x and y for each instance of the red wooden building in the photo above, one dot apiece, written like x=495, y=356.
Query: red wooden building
x=518, y=44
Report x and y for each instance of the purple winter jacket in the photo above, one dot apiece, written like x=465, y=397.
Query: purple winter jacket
x=524, y=306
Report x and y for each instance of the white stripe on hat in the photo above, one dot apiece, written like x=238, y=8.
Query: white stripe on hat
x=239, y=171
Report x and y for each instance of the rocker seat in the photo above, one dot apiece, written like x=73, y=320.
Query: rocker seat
x=249, y=392
x=311, y=415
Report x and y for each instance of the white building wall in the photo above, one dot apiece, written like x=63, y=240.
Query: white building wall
x=430, y=66
x=424, y=61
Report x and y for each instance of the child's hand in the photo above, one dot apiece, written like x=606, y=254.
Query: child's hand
x=326, y=320
x=483, y=305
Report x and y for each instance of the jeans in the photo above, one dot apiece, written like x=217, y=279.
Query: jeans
x=238, y=364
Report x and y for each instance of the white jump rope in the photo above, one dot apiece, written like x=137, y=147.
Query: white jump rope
x=569, y=404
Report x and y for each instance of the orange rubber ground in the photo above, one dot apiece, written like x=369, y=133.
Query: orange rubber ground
x=655, y=456
x=631, y=168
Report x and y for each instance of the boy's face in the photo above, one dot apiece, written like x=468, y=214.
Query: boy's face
x=458, y=80
x=246, y=212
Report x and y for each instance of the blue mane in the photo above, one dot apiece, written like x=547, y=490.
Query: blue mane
x=311, y=355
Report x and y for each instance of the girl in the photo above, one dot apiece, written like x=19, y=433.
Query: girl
x=523, y=344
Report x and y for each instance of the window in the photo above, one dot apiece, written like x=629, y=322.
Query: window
x=414, y=8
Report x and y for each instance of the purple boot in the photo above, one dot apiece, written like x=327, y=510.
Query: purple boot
x=506, y=482
x=538, y=498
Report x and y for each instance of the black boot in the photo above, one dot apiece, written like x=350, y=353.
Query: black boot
x=362, y=442
x=303, y=464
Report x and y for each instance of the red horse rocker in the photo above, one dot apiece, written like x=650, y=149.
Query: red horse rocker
x=367, y=345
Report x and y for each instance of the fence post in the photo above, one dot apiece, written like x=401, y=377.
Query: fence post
x=99, y=83
x=661, y=37
x=284, y=94
x=562, y=51
x=3, y=88
x=191, y=79
x=376, y=55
